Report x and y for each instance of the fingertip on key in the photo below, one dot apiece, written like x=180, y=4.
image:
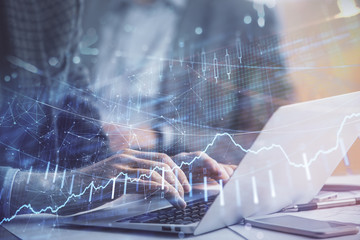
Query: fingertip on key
x=187, y=188
x=181, y=203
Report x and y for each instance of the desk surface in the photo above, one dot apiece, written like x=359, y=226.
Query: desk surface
x=47, y=226
x=27, y=228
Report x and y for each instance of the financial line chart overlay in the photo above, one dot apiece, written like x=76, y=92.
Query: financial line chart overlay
x=271, y=147
x=205, y=89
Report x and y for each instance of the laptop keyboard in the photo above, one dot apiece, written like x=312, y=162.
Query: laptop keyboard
x=193, y=212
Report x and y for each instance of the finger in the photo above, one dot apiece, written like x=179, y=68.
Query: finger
x=172, y=195
x=174, y=198
x=223, y=174
x=164, y=169
x=161, y=157
x=129, y=164
x=170, y=176
x=147, y=187
x=214, y=169
x=150, y=187
x=228, y=169
x=179, y=173
x=232, y=166
x=155, y=176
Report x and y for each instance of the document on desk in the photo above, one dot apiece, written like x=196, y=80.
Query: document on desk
x=342, y=183
x=349, y=215
x=251, y=233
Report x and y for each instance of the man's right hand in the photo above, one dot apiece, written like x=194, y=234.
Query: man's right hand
x=145, y=172
x=145, y=169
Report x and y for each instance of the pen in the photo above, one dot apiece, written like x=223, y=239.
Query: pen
x=323, y=197
x=322, y=205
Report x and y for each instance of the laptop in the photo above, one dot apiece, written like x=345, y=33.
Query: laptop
x=289, y=162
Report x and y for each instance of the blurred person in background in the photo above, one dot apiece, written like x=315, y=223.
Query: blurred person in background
x=143, y=54
x=55, y=155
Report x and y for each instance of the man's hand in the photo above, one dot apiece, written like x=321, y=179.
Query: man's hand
x=147, y=168
x=200, y=164
x=93, y=185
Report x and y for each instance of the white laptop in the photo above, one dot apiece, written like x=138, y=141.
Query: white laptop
x=289, y=162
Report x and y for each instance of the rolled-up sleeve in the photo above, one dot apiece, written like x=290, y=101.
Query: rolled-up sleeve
x=7, y=175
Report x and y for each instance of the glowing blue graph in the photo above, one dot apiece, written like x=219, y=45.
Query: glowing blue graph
x=91, y=186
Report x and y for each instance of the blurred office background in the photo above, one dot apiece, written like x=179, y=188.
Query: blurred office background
x=318, y=43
